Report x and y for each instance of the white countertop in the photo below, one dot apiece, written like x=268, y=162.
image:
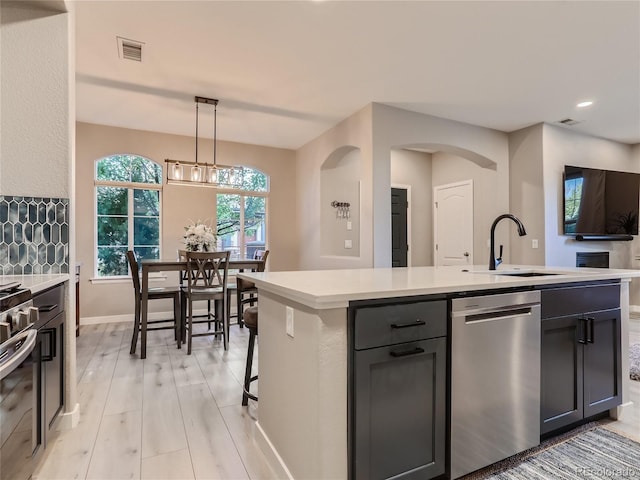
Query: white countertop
x=322, y=289
x=36, y=283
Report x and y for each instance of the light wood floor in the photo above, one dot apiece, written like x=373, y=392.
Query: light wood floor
x=171, y=416
x=174, y=416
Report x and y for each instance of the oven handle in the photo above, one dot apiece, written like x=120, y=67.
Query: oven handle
x=28, y=341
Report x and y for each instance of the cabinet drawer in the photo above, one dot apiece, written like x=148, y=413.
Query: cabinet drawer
x=50, y=303
x=391, y=324
x=560, y=302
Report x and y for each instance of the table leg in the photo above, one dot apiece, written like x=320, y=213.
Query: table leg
x=145, y=305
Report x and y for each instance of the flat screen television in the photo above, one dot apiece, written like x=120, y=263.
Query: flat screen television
x=600, y=202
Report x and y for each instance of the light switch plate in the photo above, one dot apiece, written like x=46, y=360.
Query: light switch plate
x=534, y=243
x=289, y=327
x=349, y=226
x=348, y=244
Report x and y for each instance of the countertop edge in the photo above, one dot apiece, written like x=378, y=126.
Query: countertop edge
x=476, y=282
x=37, y=283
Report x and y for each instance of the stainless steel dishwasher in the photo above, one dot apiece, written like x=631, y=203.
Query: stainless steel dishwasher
x=495, y=378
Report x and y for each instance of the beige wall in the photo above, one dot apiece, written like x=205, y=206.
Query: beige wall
x=34, y=125
x=397, y=128
x=487, y=202
x=340, y=182
x=376, y=130
x=180, y=204
x=354, y=133
x=526, y=182
x=413, y=169
x=563, y=147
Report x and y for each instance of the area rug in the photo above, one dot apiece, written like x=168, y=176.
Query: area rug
x=593, y=453
x=634, y=361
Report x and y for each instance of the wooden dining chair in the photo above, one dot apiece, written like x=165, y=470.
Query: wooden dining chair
x=209, y=316
x=155, y=293
x=207, y=274
x=246, y=291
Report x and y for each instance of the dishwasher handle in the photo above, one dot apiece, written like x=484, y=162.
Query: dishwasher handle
x=468, y=312
x=498, y=315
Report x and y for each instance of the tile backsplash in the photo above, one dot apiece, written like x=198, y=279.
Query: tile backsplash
x=34, y=235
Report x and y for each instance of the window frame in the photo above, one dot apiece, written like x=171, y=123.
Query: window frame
x=243, y=193
x=130, y=186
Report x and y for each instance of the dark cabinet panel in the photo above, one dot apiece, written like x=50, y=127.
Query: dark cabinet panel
x=50, y=327
x=400, y=410
x=602, y=363
x=561, y=391
x=53, y=368
x=581, y=372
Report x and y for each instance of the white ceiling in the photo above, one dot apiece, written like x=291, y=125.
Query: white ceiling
x=285, y=72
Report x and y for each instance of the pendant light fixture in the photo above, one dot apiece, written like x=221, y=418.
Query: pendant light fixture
x=204, y=174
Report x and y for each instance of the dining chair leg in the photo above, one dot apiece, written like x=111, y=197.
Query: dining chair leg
x=225, y=325
x=177, y=313
x=239, y=307
x=209, y=314
x=183, y=317
x=190, y=327
x=136, y=327
x=246, y=395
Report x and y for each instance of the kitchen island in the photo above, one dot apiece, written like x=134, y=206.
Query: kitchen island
x=304, y=346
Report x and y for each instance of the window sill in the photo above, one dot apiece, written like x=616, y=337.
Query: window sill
x=127, y=279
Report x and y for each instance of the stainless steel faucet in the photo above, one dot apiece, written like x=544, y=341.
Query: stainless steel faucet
x=493, y=262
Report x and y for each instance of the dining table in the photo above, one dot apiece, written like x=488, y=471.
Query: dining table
x=151, y=265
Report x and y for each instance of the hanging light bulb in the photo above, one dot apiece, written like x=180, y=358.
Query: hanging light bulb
x=176, y=170
x=196, y=173
x=212, y=175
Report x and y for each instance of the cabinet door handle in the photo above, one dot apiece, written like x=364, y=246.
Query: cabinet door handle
x=591, y=329
x=417, y=323
x=582, y=334
x=49, y=349
x=405, y=353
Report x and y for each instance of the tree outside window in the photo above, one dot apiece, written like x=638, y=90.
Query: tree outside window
x=241, y=216
x=128, y=204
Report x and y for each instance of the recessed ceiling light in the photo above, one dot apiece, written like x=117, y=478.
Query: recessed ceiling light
x=588, y=103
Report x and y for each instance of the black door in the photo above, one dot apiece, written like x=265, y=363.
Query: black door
x=399, y=246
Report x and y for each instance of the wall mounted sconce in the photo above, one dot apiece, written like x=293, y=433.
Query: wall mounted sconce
x=342, y=209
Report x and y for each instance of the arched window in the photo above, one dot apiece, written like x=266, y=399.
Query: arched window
x=128, y=203
x=242, y=215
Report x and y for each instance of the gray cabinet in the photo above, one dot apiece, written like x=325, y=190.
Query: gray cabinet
x=50, y=327
x=580, y=354
x=398, y=395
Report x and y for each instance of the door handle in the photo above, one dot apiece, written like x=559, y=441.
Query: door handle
x=49, y=346
x=582, y=334
x=417, y=323
x=406, y=353
x=590, y=329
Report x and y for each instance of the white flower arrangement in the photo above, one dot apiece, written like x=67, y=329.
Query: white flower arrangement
x=199, y=237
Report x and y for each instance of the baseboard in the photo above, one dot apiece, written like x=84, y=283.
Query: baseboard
x=622, y=412
x=269, y=451
x=634, y=308
x=69, y=420
x=128, y=317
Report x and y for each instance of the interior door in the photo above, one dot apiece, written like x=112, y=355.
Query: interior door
x=453, y=223
x=399, y=243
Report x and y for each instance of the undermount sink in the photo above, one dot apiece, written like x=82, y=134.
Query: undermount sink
x=527, y=274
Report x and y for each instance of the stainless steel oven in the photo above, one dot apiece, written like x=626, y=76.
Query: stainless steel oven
x=21, y=432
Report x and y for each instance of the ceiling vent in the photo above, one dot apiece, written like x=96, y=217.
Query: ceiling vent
x=130, y=49
x=569, y=121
